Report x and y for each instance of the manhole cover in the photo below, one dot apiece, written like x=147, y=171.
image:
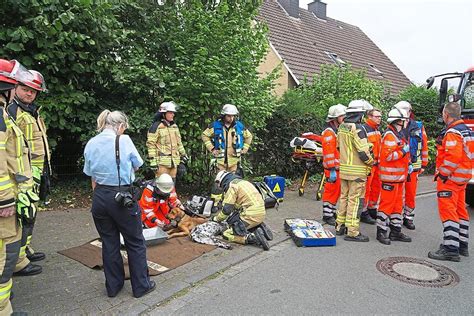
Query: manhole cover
x=417, y=272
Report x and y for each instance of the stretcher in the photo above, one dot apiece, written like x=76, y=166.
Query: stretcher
x=307, y=150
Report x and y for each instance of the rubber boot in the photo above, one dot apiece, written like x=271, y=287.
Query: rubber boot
x=257, y=238
x=382, y=236
x=464, y=251
x=359, y=238
x=329, y=220
x=408, y=223
x=342, y=230
x=397, y=235
x=366, y=218
x=267, y=232
x=443, y=254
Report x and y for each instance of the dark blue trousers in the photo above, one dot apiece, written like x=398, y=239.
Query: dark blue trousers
x=110, y=219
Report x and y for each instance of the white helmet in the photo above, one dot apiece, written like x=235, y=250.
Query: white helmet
x=164, y=183
x=403, y=105
x=397, y=114
x=335, y=111
x=229, y=109
x=168, y=107
x=220, y=176
x=368, y=106
x=357, y=106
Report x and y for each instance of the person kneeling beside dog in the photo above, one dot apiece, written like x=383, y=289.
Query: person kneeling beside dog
x=243, y=209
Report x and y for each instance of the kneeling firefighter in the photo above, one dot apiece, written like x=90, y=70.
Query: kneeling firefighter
x=243, y=209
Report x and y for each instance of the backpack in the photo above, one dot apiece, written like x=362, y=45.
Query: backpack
x=416, y=140
x=267, y=195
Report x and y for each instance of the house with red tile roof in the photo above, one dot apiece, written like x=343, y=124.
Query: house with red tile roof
x=302, y=40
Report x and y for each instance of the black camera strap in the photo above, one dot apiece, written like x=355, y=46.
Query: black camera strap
x=117, y=157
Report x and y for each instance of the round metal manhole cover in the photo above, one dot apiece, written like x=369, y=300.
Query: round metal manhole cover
x=417, y=272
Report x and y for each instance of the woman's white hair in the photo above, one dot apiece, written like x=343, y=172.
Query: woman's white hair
x=108, y=119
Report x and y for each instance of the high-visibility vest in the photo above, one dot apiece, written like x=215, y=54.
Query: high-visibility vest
x=374, y=137
x=330, y=151
x=393, y=166
x=456, y=153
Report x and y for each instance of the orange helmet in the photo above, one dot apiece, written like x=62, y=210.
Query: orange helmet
x=36, y=81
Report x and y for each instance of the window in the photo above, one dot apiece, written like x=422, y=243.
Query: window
x=336, y=59
x=375, y=69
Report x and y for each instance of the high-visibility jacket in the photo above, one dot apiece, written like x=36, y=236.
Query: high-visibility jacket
x=154, y=209
x=456, y=153
x=374, y=137
x=330, y=151
x=28, y=119
x=227, y=140
x=244, y=197
x=356, y=158
x=7, y=196
x=394, y=162
x=164, y=144
x=422, y=150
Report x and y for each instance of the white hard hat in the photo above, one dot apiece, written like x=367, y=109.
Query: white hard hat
x=220, y=176
x=367, y=106
x=168, y=107
x=357, y=106
x=403, y=105
x=397, y=114
x=335, y=111
x=164, y=183
x=229, y=109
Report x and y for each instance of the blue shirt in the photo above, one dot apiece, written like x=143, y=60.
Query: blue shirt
x=99, y=159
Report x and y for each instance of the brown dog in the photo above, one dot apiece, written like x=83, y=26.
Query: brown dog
x=185, y=222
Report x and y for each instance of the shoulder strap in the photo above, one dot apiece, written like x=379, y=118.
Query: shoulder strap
x=117, y=156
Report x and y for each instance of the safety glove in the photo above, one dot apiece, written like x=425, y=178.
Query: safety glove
x=410, y=168
x=181, y=172
x=36, y=178
x=405, y=149
x=332, y=175
x=25, y=208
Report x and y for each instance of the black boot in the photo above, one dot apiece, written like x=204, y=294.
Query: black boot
x=372, y=213
x=464, y=251
x=382, y=236
x=399, y=236
x=408, y=223
x=258, y=238
x=342, y=230
x=359, y=238
x=267, y=232
x=329, y=220
x=30, y=269
x=37, y=256
x=443, y=254
x=366, y=218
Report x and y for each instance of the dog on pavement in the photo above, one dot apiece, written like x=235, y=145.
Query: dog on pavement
x=185, y=223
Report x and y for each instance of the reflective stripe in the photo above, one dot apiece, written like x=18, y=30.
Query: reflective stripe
x=390, y=143
x=463, y=171
x=389, y=178
x=5, y=183
x=459, y=179
x=329, y=162
x=451, y=143
x=328, y=138
x=449, y=163
x=445, y=171
x=6, y=290
x=328, y=156
x=391, y=169
x=393, y=156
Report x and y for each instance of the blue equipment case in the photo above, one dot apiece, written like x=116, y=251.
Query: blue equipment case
x=276, y=184
x=309, y=233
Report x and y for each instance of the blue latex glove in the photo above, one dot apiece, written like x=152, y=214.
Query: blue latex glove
x=332, y=176
x=406, y=149
x=410, y=169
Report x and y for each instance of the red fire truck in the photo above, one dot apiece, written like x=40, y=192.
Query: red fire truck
x=464, y=95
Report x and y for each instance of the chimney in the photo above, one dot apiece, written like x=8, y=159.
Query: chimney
x=318, y=8
x=291, y=7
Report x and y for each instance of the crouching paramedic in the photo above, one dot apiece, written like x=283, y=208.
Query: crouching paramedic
x=332, y=185
x=454, y=165
x=394, y=168
x=157, y=200
x=356, y=160
x=243, y=209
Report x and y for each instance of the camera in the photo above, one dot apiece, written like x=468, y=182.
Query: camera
x=125, y=199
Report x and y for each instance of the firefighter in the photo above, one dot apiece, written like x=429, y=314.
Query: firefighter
x=356, y=160
x=394, y=168
x=16, y=194
x=24, y=111
x=157, y=200
x=372, y=188
x=454, y=164
x=227, y=139
x=243, y=209
x=418, y=142
x=332, y=185
x=165, y=148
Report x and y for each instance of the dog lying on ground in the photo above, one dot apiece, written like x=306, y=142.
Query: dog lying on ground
x=185, y=223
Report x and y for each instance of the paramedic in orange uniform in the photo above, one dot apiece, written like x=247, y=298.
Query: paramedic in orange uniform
x=332, y=186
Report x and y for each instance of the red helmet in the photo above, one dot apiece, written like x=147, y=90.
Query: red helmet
x=36, y=81
x=6, y=69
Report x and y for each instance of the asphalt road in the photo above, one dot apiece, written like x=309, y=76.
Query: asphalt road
x=334, y=280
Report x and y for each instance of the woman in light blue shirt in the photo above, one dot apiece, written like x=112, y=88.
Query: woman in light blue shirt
x=111, y=216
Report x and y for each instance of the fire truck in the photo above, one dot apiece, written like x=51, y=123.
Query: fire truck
x=464, y=95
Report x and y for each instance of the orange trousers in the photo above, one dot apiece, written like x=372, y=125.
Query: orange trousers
x=331, y=195
x=390, y=208
x=453, y=214
x=410, y=196
x=372, y=190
